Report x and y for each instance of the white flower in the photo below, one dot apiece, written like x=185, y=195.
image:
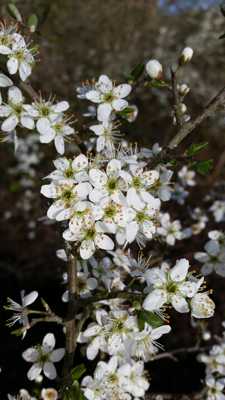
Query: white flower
x=20, y=58
x=154, y=69
x=23, y=395
x=162, y=187
x=171, y=286
x=215, y=388
x=108, y=97
x=91, y=237
x=67, y=195
x=170, y=230
x=139, y=186
x=46, y=109
x=187, y=176
x=213, y=258
x=106, y=184
x=56, y=130
x=107, y=135
x=218, y=210
x=186, y=55
x=70, y=170
x=202, y=306
x=43, y=358
x=85, y=284
x=21, y=310
x=132, y=380
x=49, y=394
x=144, y=343
x=14, y=111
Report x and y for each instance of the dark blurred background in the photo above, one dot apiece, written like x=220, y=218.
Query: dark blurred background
x=79, y=40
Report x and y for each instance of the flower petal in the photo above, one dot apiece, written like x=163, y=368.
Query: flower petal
x=49, y=370
x=57, y=355
x=48, y=342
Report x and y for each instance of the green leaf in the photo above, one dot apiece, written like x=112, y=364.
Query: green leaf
x=196, y=148
x=203, y=167
x=78, y=371
x=32, y=22
x=136, y=72
x=152, y=319
x=14, y=12
x=158, y=83
x=73, y=393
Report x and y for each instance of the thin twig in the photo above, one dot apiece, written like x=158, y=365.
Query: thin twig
x=172, y=354
x=176, y=98
x=211, y=108
x=70, y=323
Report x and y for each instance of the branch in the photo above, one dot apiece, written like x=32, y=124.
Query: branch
x=70, y=323
x=211, y=108
x=183, y=350
x=176, y=98
x=81, y=302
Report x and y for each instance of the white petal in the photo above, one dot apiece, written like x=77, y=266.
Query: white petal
x=104, y=242
x=93, y=348
x=30, y=355
x=134, y=200
x=69, y=236
x=59, y=144
x=43, y=125
x=104, y=112
x=97, y=178
x=104, y=84
x=122, y=91
x=5, y=50
x=83, y=189
x=97, y=129
x=30, y=298
x=48, y=342
x=80, y=162
x=155, y=300
x=113, y=167
x=27, y=122
x=179, y=272
x=119, y=104
x=12, y=65
x=87, y=249
x=131, y=231
x=158, y=332
x=34, y=371
x=5, y=81
x=49, y=370
x=179, y=303
x=49, y=191
x=24, y=70
x=57, y=355
x=10, y=123
x=5, y=111
x=60, y=107
x=61, y=163
x=15, y=95
x=94, y=96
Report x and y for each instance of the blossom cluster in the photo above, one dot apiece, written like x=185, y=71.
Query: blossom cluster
x=215, y=370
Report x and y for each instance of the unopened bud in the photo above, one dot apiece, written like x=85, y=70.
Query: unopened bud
x=182, y=108
x=49, y=394
x=186, y=55
x=154, y=69
x=206, y=336
x=183, y=89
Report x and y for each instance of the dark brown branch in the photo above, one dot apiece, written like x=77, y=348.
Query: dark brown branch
x=70, y=323
x=217, y=102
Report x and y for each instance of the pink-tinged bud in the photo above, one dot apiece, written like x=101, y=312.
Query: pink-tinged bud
x=49, y=394
x=186, y=55
x=154, y=69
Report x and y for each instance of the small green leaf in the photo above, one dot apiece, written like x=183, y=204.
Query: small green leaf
x=152, y=319
x=158, y=83
x=32, y=22
x=73, y=393
x=203, y=167
x=196, y=148
x=78, y=371
x=136, y=72
x=126, y=111
x=14, y=12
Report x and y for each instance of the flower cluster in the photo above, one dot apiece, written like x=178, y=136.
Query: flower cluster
x=215, y=370
x=101, y=202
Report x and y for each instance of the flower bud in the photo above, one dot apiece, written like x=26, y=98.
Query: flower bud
x=49, y=394
x=186, y=55
x=206, y=336
x=154, y=69
x=182, y=108
x=183, y=89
